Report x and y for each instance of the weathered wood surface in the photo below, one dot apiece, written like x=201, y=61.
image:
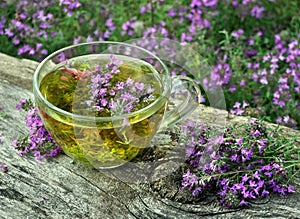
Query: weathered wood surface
x=58, y=188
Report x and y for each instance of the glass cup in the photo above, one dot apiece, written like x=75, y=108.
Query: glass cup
x=106, y=138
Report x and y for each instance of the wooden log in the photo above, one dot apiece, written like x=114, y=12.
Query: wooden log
x=59, y=188
x=17, y=71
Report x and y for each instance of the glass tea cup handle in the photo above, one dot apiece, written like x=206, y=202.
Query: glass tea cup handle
x=186, y=104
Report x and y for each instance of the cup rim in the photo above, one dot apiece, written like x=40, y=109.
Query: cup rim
x=38, y=94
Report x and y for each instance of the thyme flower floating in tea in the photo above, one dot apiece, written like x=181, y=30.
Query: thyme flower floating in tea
x=112, y=90
x=242, y=164
x=113, y=96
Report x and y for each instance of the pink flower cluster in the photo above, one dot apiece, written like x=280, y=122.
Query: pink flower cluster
x=117, y=96
x=38, y=143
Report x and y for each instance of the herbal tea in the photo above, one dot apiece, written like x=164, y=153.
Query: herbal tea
x=105, y=88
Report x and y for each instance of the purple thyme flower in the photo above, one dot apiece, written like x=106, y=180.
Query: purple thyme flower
x=140, y=86
x=3, y=167
x=237, y=33
x=116, y=96
x=69, y=6
x=39, y=142
x=239, y=141
x=171, y=12
x=145, y=8
x=110, y=24
x=19, y=106
x=257, y=11
x=256, y=133
x=128, y=27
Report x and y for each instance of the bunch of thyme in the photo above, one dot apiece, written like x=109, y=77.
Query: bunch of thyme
x=38, y=141
x=241, y=164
